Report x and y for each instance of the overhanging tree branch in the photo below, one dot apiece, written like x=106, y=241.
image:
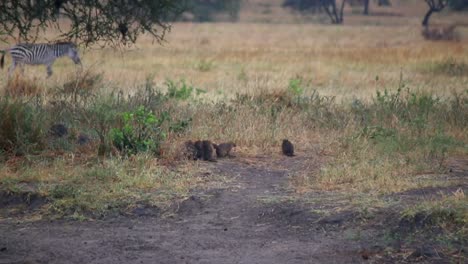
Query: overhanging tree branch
x=106, y=22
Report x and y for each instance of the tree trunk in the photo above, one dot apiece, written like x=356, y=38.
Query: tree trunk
x=366, y=7
x=341, y=11
x=336, y=16
x=427, y=16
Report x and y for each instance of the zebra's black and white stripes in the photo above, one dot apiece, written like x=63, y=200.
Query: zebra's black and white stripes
x=40, y=54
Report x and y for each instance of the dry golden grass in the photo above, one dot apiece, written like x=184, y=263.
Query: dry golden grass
x=18, y=86
x=226, y=59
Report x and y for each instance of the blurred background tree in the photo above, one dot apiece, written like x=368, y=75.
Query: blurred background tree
x=334, y=9
x=208, y=10
x=439, y=5
x=458, y=5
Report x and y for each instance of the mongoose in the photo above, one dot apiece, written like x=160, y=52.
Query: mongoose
x=224, y=149
x=198, y=149
x=190, y=150
x=207, y=150
x=58, y=130
x=82, y=139
x=288, y=148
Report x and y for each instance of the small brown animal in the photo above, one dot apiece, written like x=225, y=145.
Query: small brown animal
x=198, y=153
x=200, y=150
x=207, y=150
x=224, y=149
x=58, y=130
x=288, y=148
x=190, y=150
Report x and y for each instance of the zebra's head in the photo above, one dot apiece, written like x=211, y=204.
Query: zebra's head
x=73, y=53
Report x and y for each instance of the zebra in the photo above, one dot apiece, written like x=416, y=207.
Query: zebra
x=41, y=53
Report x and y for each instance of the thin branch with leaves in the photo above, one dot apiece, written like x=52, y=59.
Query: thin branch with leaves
x=103, y=22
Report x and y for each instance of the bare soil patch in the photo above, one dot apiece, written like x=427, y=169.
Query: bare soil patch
x=256, y=218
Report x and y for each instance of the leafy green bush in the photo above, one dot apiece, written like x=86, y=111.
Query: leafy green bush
x=295, y=87
x=140, y=132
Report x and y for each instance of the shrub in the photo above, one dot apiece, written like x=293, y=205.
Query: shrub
x=22, y=128
x=140, y=132
x=295, y=87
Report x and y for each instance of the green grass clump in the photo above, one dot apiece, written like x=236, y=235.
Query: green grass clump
x=384, y=144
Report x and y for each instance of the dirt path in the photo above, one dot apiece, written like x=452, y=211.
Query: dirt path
x=235, y=224
x=230, y=225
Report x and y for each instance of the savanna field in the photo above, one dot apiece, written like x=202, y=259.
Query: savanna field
x=377, y=114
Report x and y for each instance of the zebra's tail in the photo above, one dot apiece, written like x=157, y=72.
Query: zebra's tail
x=2, y=60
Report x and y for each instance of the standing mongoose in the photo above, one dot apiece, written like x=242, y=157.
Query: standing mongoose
x=224, y=149
x=288, y=148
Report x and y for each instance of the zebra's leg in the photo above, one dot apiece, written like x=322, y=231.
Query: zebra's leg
x=49, y=70
x=11, y=69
